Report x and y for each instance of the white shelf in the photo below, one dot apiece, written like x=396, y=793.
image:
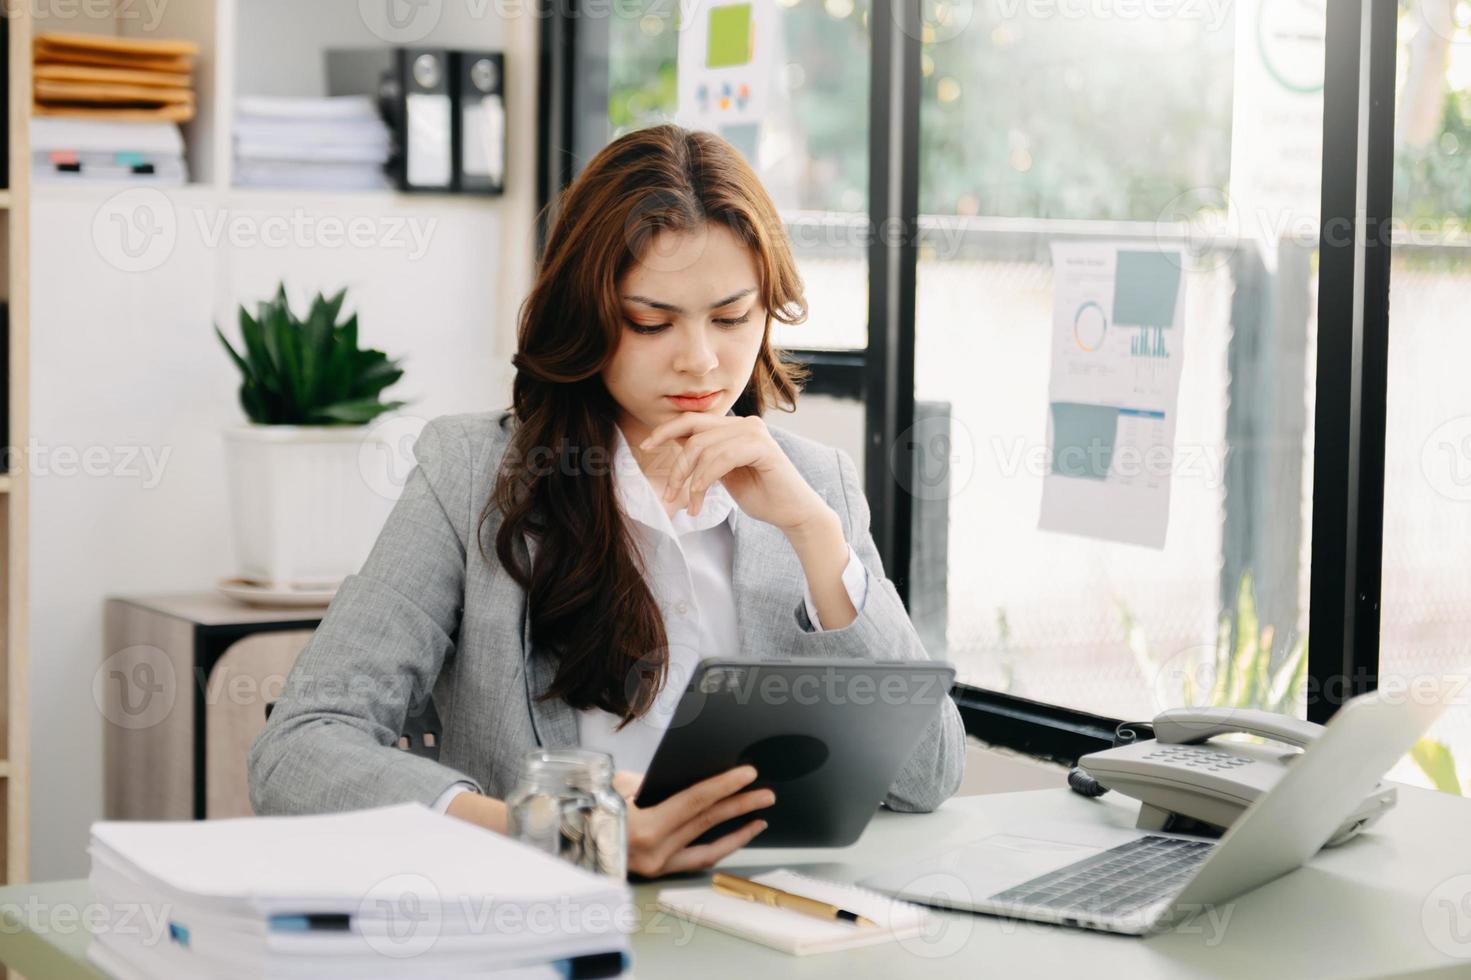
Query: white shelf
x=277, y=47
x=388, y=200
x=454, y=306
x=312, y=200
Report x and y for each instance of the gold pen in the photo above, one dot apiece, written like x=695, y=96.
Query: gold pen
x=754, y=891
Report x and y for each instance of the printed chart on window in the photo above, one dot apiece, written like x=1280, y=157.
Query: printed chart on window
x=725, y=62
x=1118, y=343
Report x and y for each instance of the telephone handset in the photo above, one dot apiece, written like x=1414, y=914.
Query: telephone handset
x=1180, y=773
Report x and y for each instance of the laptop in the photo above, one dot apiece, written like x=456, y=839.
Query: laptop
x=1135, y=882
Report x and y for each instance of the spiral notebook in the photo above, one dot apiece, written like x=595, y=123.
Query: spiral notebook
x=794, y=932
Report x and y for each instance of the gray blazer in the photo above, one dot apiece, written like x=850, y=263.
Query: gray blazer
x=427, y=612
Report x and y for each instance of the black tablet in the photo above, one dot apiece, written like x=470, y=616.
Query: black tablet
x=829, y=736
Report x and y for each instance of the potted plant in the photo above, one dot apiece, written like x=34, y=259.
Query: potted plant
x=302, y=512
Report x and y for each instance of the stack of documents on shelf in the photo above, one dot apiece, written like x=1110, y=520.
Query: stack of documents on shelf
x=338, y=142
x=397, y=891
x=117, y=78
x=94, y=149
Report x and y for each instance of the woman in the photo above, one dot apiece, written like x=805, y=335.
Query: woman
x=552, y=575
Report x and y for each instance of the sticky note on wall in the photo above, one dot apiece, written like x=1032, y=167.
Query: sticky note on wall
x=730, y=36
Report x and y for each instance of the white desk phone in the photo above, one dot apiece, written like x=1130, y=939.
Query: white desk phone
x=1181, y=773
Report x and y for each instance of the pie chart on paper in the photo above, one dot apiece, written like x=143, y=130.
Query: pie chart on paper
x=1089, y=326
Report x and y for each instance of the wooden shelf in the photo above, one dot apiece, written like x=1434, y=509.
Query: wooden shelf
x=15, y=201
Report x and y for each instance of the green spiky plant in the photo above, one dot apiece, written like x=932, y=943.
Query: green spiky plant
x=311, y=371
x=1244, y=678
x=1242, y=672
x=1438, y=764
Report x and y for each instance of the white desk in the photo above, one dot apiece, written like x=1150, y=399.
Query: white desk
x=1370, y=908
x=1394, y=902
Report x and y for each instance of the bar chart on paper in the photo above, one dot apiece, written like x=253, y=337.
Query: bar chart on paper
x=1117, y=352
x=1148, y=342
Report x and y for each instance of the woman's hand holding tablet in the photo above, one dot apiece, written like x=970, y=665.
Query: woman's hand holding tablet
x=659, y=836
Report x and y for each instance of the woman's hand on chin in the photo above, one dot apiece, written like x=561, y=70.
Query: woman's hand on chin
x=740, y=452
x=659, y=836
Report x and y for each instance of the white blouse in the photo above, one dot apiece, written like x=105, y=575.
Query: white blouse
x=687, y=562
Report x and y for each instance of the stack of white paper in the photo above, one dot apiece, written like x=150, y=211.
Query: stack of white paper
x=334, y=142
x=396, y=891
x=64, y=148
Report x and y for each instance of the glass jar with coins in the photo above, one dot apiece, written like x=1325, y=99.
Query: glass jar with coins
x=565, y=804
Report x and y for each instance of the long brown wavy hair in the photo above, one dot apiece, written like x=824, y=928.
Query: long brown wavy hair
x=588, y=600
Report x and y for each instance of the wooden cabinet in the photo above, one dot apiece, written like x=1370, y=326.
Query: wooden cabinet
x=14, y=487
x=182, y=688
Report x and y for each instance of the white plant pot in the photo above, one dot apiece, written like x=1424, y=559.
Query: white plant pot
x=304, y=513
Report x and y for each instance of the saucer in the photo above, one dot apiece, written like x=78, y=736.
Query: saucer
x=259, y=594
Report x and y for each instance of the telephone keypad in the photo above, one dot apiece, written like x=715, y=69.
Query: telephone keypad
x=1199, y=756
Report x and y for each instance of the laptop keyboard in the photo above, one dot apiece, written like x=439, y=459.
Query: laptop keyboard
x=1117, y=881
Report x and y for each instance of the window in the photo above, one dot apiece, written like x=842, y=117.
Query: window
x=1193, y=133
x=1128, y=137
x=1426, y=625
x=812, y=149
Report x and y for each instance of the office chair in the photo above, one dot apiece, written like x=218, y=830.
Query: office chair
x=420, y=734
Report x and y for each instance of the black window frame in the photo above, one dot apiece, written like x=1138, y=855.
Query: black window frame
x=1352, y=352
